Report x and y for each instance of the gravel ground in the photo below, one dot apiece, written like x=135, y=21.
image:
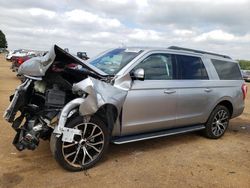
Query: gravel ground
x=188, y=160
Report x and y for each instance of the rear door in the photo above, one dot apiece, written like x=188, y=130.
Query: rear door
x=151, y=104
x=193, y=86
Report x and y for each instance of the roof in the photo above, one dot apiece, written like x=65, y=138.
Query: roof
x=180, y=49
x=198, y=51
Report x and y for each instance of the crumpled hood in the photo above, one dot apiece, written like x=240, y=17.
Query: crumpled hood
x=38, y=66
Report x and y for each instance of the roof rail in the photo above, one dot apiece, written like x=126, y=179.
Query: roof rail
x=198, y=51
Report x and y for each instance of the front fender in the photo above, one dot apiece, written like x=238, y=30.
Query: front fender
x=99, y=93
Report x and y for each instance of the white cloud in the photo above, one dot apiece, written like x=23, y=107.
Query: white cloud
x=142, y=3
x=82, y=16
x=217, y=2
x=220, y=26
x=216, y=35
x=101, y=35
x=115, y=1
x=41, y=12
x=144, y=35
x=183, y=32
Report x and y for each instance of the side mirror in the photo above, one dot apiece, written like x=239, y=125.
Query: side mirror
x=138, y=74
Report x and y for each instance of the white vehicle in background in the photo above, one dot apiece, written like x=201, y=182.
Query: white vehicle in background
x=23, y=53
x=246, y=75
x=19, y=53
x=9, y=55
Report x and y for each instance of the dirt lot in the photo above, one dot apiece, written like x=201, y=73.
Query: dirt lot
x=180, y=161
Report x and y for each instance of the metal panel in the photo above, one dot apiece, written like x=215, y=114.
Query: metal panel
x=148, y=107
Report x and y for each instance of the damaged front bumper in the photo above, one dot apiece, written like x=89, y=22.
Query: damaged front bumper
x=16, y=101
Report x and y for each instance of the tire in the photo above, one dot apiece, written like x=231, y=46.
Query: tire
x=87, y=151
x=217, y=122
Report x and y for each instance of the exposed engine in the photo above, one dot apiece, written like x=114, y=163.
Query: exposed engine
x=38, y=101
x=44, y=105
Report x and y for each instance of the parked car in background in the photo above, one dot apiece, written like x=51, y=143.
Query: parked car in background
x=19, y=52
x=3, y=50
x=246, y=75
x=11, y=53
x=18, y=60
x=82, y=55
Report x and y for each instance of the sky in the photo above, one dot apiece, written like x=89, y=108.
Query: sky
x=221, y=26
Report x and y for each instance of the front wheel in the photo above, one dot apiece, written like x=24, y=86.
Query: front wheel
x=87, y=149
x=217, y=122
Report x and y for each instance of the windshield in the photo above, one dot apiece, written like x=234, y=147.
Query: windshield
x=113, y=61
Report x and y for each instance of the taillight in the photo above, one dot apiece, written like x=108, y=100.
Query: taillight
x=19, y=61
x=244, y=90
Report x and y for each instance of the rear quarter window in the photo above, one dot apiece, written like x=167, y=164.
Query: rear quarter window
x=227, y=70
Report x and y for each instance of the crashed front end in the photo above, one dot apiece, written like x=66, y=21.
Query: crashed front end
x=53, y=92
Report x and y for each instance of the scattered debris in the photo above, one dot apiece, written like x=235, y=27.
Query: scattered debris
x=86, y=173
x=136, y=153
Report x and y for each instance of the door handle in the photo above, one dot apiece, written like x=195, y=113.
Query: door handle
x=169, y=91
x=208, y=90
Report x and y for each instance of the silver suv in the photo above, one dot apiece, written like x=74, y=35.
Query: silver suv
x=123, y=95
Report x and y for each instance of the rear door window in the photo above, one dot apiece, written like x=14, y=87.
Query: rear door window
x=227, y=70
x=191, y=68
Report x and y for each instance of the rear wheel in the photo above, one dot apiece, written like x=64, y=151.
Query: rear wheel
x=217, y=122
x=87, y=149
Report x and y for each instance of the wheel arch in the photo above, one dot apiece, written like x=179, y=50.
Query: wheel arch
x=225, y=102
x=108, y=113
x=228, y=104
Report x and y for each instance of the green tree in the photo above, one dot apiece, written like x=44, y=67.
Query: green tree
x=244, y=64
x=3, y=41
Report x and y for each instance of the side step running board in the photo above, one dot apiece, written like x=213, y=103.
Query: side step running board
x=146, y=136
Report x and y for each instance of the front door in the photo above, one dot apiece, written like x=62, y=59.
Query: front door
x=150, y=105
